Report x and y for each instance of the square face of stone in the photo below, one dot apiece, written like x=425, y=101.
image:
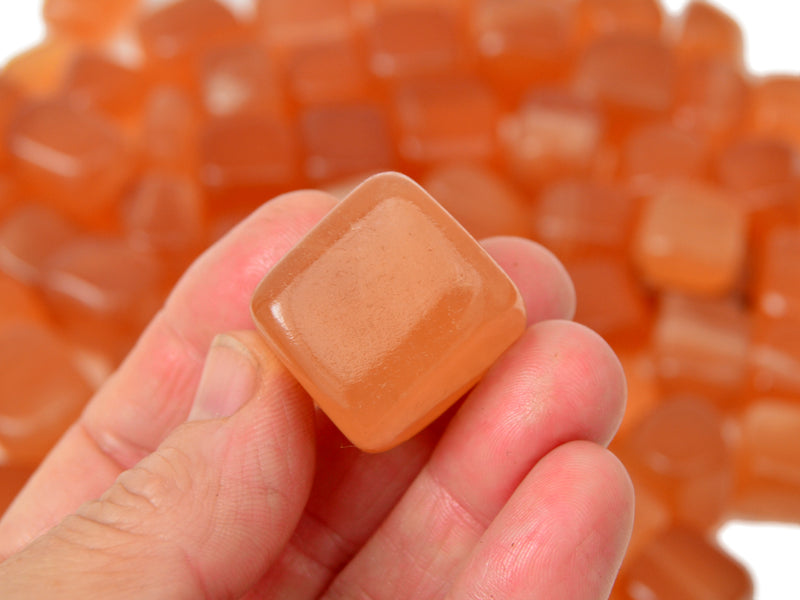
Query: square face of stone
x=387, y=312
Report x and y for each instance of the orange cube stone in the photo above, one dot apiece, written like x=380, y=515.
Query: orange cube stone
x=712, y=100
x=245, y=160
x=29, y=237
x=387, y=312
x=577, y=217
x=708, y=32
x=691, y=238
x=600, y=17
x=96, y=82
x=621, y=314
x=9, y=195
x=170, y=131
x=651, y=518
x=553, y=134
x=643, y=391
x=632, y=76
x=482, y=201
x=86, y=20
x=658, y=152
x=345, y=139
x=522, y=43
x=239, y=79
x=165, y=213
x=287, y=26
x=70, y=158
x=768, y=461
x=38, y=366
x=328, y=72
x=775, y=108
x=777, y=275
x=19, y=303
x=10, y=100
x=681, y=564
x=12, y=480
x=414, y=40
x=701, y=348
x=763, y=176
x=38, y=70
x=680, y=452
x=449, y=118
x=774, y=358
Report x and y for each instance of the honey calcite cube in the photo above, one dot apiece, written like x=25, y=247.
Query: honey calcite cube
x=681, y=564
x=387, y=312
x=643, y=391
x=9, y=195
x=38, y=366
x=286, y=26
x=777, y=278
x=19, y=303
x=774, y=358
x=599, y=17
x=449, y=118
x=38, y=70
x=483, y=202
x=707, y=32
x=170, y=130
x=701, y=347
x=679, y=451
x=10, y=99
x=70, y=158
x=691, y=237
x=12, y=479
x=239, y=79
x=345, y=139
x=768, y=461
x=775, y=108
x=86, y=20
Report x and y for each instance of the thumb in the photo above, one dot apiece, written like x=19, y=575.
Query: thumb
x=203, y=516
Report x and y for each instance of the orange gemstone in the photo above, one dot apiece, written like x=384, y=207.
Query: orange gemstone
x=86, y=20
x=522, y=43
x=708, y=32
x=777, y=278
x=29, y=237
x=387, y=312
x=10, y=100
x=345, y=139
x=679, y=451
x=165, y=213
x=239, y=79
x=658, y=152
x=449, y=118
x=247, y=160
x=414, y=40
x=632, y=76
x=170, y=131
x=482, y=201
x=96, y=82
x=622, y=313
x=600, y=17
x=712, y=99
x=553, y=134
x=37, y=366
x=578, y=217
x=9, y=195
x=762, y=174
x=775, y=109
x=651, y=518
x=681, y=564
x=328, y=72
x=691, y=238
x=768, y=462
x=12, y=479
x=70, y=158
x=103, y=292
x=643, y=392
x=701, y=347
x=19, y=303
x=775, y=358
x=287, y=26
x=39, y=71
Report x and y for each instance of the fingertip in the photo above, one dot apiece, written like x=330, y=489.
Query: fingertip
x=542, y=280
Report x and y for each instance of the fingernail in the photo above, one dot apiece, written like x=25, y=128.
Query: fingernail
x=228, y=380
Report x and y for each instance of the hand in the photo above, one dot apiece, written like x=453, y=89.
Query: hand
x=509, y=495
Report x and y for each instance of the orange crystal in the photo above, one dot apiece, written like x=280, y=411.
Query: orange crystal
x=86, y=19
x=708, y=32
x=19, y=303
x=599, y=17
x=774, y=358
x=775, y=109
x=681, y=564
x=777, y=277
x=387, y=312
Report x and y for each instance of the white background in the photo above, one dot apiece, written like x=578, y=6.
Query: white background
x=772, y=41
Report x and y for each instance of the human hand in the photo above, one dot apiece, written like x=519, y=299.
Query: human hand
x=509, y=495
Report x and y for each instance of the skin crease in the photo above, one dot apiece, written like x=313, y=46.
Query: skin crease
x=510, y=494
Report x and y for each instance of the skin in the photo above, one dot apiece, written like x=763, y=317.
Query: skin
x=511, y=494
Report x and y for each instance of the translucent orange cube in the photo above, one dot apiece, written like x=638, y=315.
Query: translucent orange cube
x=287, y=26
x=387, y=312
x=19, y=303
x=170, y=130
x=707, y=32
x=599, y=17
x=691, y=238
x=775, y=108
x=86, y=20
x=10, y=98
x=774, y=358
x=777, y=275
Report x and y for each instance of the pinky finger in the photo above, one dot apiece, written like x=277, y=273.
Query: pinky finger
x=562, y=534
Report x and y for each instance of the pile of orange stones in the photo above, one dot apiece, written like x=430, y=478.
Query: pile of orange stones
x=634, y=145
